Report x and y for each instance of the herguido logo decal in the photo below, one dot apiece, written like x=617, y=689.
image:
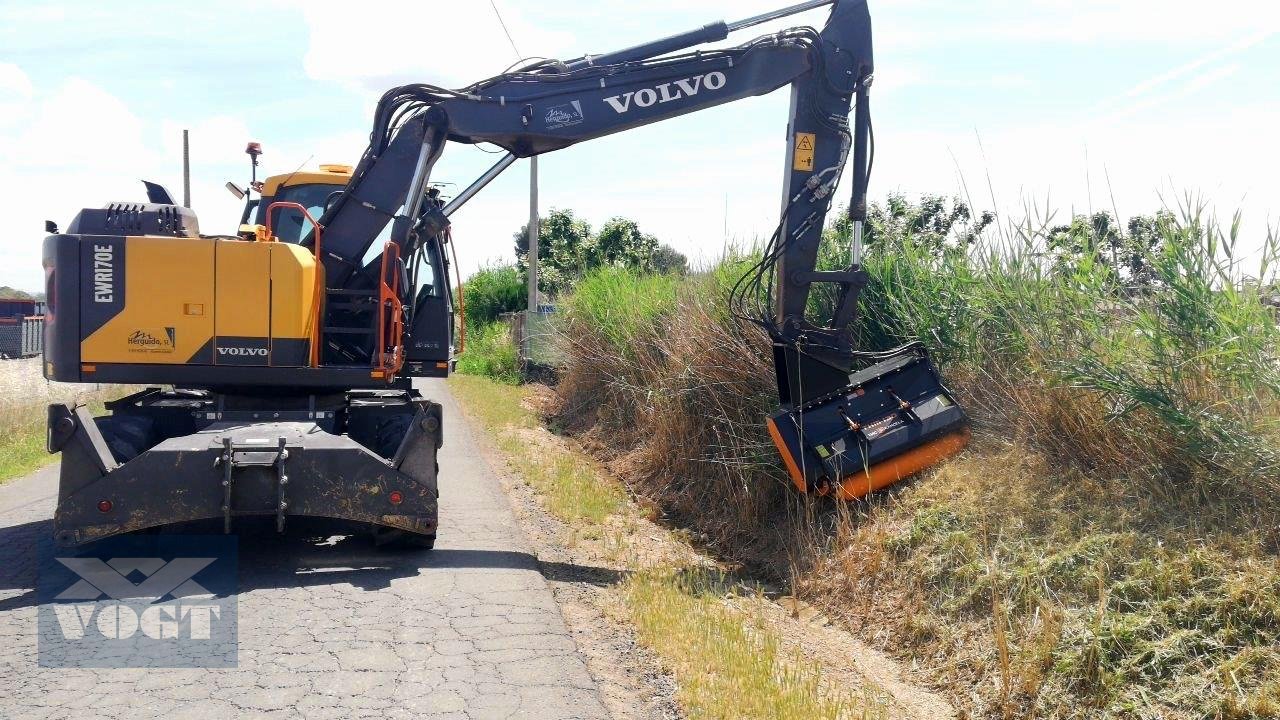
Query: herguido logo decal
x=666, y=92
x=564, y=115
x=160, y=340
x=144, y=339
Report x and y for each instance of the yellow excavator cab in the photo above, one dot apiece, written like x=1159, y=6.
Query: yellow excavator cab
x=328, y=174
x=313, y=189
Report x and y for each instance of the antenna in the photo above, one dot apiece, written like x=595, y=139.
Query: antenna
x=505, y=31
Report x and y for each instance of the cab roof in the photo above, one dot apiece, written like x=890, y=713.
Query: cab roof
x=337, y=175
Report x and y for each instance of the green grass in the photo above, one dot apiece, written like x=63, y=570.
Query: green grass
x=622, y=305
x=728, y=663
x=24, y=400
x=569, y=483
x=1095, y=601
x=22, y=435
x=22, y=447
x=490, y=352
x=500, y=407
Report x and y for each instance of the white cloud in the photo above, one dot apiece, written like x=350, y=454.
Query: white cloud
x=58, y=160
x=1181, y=71
x=1078, y=168
x=14, y=83
x=15, y=94
x=674, y=178
x=446, y=44
x=1130, y=21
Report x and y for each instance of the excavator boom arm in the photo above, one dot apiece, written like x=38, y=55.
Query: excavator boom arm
x=841, y=429
x=551, y=106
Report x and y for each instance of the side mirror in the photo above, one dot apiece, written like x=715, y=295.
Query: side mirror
x=235, y=190
x=51, y=227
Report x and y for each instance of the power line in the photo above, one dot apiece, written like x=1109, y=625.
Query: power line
x=507, y=32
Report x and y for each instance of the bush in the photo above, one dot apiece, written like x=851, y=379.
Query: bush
x=1175, y=384
x=491, y=292
x=491, y=352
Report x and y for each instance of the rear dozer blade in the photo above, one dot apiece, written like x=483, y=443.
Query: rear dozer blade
x=893, y=420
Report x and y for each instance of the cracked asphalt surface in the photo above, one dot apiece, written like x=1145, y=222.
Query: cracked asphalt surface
x=469, y=630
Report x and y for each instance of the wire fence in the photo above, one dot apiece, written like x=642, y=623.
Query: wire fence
x=537, y=340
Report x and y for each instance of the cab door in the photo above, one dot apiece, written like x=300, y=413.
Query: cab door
x=429, y=345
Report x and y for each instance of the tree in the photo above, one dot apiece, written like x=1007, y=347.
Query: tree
x=567, y=250
x=935, y=223
x=1099, y=239
x=563, y=252
x=621, y=244
x=668, y=261
x=8, y=293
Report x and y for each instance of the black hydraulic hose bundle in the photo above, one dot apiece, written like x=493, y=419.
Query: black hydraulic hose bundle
x=406, y=102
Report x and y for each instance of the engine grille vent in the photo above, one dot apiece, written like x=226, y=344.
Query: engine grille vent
x=126, y=217
x=136, y=219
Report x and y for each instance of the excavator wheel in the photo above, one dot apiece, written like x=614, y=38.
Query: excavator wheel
x=390, y=434
x=126, y=436
x=396, y=539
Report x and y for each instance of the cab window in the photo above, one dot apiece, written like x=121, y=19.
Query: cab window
x=288, y=224
x=427, y=263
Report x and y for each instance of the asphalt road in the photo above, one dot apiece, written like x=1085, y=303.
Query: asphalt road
x=469, y=630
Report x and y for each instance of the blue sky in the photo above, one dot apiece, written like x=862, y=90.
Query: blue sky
x=1052, y=103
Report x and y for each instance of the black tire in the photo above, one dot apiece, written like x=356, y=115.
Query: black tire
x=396, y=539
x=419, y=542
x=122, y=451
x=126, y=435
x=390, y=434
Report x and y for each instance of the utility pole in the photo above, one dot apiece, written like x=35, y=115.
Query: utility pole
x=533, y=234
x=186, y=170
x=531, y=313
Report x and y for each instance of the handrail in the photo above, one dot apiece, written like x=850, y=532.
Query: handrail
x=462, y=300
x=316, y=323
x=389, y=295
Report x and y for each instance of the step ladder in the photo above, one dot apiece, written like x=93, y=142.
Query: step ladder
x=247, y=455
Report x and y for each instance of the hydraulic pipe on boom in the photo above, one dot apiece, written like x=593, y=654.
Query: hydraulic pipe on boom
x=479, y=184
x=777, y=14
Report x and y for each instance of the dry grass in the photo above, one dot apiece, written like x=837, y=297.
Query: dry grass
x=727, y=661
x=24, y=397
x=1108, y=548
x=1055, y=596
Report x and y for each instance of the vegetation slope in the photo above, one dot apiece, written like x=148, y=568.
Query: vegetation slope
x=1108, y=545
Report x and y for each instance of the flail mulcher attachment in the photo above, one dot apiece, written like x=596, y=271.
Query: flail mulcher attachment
x=894, y=419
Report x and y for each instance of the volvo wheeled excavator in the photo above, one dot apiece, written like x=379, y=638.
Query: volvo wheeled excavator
x=287, y=350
